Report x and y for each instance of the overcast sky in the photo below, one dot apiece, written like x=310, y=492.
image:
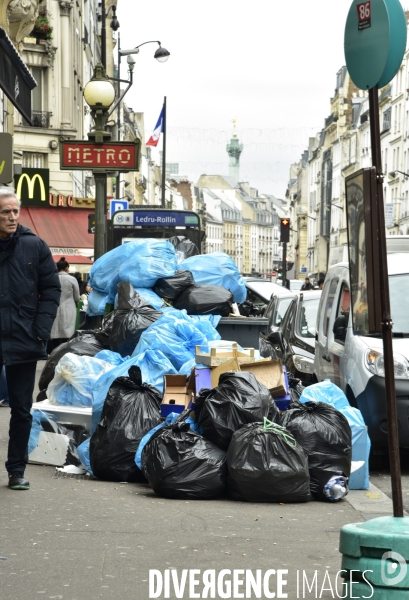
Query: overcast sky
x=271, y=64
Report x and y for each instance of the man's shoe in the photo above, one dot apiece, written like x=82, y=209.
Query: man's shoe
x=17, y=481
x=4, y=403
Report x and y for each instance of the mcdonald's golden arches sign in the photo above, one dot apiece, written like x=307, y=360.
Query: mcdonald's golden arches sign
x=33, y=187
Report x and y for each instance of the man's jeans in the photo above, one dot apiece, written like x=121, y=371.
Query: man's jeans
x=20, y=383
x=4, y=393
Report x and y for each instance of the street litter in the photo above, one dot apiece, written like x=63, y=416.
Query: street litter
x=155, y=394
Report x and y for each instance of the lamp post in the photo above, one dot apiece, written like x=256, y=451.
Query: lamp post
x=99, y=94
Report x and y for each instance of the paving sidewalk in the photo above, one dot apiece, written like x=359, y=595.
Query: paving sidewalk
x=76, y=539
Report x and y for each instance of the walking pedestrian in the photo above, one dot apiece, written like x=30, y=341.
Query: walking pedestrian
x=307, y=285
x=64, y=324
x=29, y=298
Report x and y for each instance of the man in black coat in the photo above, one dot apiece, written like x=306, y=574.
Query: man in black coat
x=29, y=298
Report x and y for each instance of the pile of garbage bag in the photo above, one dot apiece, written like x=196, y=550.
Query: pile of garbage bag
x=184, y=247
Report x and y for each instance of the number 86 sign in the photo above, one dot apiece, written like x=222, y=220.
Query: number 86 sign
x=364, y=15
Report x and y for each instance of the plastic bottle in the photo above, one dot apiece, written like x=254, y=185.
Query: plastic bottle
x=336, y=488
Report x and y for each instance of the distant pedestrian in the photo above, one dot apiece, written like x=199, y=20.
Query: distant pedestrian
x=307, y=285
x=64, y=324
x=30, y=294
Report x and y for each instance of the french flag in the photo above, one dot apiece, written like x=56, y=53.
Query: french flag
x=154, y=139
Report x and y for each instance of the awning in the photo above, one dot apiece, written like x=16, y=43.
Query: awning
x=59, y=227
x=75, y=259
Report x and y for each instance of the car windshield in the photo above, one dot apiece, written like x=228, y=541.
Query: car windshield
x=399, y=295
x=307, y=318
x=264, y=288
x=283, y=304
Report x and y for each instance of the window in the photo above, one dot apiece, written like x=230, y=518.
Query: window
x=37, y=93
x=329, y=303
x=386, y=120
x=344, y=307
x=33, y=160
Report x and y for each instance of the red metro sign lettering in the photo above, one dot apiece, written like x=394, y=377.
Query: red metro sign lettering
x=122, y=156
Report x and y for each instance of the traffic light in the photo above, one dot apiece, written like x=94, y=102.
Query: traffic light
x=284, y=230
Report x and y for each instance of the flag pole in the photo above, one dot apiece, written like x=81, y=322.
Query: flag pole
x=164, y=156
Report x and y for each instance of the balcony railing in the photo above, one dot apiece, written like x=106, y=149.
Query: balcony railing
x=39, y=119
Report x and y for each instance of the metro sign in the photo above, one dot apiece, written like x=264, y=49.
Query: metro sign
x=112, y=156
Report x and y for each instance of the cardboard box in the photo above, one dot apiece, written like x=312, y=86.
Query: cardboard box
x=200, y=378
x=270, y=373
x=219, y=355
x=215, y=372
x=51, y=449
x=176, y=397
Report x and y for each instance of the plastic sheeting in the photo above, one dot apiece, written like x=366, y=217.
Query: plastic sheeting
x=325, y=435
x=179, y=463
x=84, y=344
x=130, y=410
x=205, y=300
x=265, y=464
x=217, y=269
x=141, y=262
x=239, y=399
x=74, y=379
x=83, y=453
x=171, y=287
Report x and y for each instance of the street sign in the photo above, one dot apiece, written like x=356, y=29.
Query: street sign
x=375, y=41
x=6, y=157
x=112, y=156
x=115, y=205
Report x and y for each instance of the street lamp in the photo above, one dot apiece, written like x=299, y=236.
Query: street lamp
x=99, y=94
x=392, y=174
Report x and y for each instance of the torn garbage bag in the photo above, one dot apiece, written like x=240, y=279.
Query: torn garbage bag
x=179, y=463
x=184, y=247
x=217, y=269
x=325, y=435
x=266, y=464
x=128, y=325
x=85, y=343
x=74, y=379
x=130, y=410
x=237, y=400
x=171, y=287
x=205, y=300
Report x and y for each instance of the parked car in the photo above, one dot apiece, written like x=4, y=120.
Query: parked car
x=277, y=307
x=295, y=339
x=260, y=290
x=355, y=362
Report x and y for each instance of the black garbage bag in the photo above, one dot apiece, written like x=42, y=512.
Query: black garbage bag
x=265, y=464
x=179, y=463
x=266, y=348
x=248, y=309
x=84, y=343
x=131, y=409
x=296, y=387
x=127, y=326
x=184, y=247
x=102, y=334
x=128, y=297
x=171, y=287
x=205, y=300
x=325, y=435
x=239, y=399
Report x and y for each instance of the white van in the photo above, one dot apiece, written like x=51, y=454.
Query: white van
x=355, y=363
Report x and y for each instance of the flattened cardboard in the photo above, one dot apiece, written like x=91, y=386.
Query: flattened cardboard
x=270, y=373
x=175, y=395
x=219, y=355
x=230, y=365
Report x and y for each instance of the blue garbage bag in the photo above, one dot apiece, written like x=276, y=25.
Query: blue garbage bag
x=213, y=319
x=36, y=427
x=325, y=391
x=154, y=365
x=96, y=303
x=74, y=379
x=206, y=326
x=175, y=338
x=148, y=295
x=141, y=262
x=84, y=456
x=113, y=358
x=217, y=269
